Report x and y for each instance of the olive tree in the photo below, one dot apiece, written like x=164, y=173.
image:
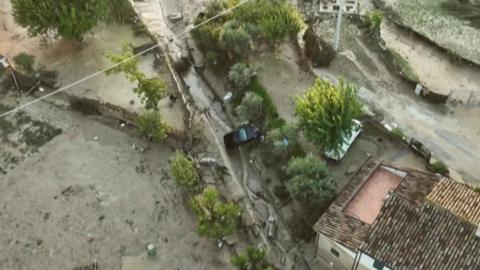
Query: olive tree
x=251, y=107
x=326, y=113
x=310, y=180
x=215, y=219
x=59, y=18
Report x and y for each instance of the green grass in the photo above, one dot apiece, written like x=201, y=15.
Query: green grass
x=402, y=66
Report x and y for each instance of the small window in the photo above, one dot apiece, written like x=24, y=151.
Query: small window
x=335, y=252
x=336, y=7
x=378, y=265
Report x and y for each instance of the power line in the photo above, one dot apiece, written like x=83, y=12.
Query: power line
x=117, y=64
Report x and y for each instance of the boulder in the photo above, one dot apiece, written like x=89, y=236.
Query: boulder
x=318, y=50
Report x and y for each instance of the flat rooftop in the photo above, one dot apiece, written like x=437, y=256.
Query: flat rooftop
x=368, y=200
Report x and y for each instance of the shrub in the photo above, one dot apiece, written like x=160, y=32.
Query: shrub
x=25, y=62
x=373, y=21
x=240, y=75
x=440, y=168
x=251, y=108
x=275, y=19
x=272, y=119
x=215, y=219
x=235, y=38
x=310, y=180
x=151, y=125
x=397, y=133
x=252, y=259
x=282, y=141
x=184, y=172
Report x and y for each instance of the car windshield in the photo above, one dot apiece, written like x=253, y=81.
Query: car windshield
x=242, y=134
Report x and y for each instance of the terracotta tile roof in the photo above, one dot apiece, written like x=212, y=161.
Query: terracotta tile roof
x=337, y=225
x=461, y=199
x=350, y=231
x=406, y=236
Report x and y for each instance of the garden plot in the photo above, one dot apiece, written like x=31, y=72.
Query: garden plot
x=21, y=136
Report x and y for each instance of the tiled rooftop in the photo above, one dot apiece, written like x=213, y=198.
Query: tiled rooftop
x=461, y=199
x=340, y=226
x=406, y=236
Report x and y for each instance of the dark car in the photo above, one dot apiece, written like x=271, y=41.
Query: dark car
x=241, y=135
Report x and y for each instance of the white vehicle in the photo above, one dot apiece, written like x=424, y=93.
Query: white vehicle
x=357, y=128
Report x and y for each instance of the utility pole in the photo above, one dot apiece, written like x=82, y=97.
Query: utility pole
x=339, y=25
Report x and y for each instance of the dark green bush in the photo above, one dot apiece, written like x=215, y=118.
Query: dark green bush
x=440, y=168
x=25, y=62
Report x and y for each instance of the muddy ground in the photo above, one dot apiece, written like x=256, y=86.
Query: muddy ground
x=74, y=61
x=88, y=195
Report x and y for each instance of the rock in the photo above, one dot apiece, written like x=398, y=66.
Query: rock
x=319, y=51
x=230, y=240
x=351, y=170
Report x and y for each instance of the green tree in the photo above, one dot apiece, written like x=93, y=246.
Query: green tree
x=235, y=38
x=215, y=219
x=125, y=62
x=251, y=107
x=310, y=180
x=184, y=172
x=327, y=112
x=150, y=90
x=64, y=18
x=252, y=259
x=151, y=125
x=240, y=76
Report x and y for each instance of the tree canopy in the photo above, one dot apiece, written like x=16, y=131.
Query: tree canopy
x=310, y=180
x=327, y=112
x=65, y=18
x=215, y=219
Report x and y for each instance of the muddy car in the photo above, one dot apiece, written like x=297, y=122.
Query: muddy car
x=241, y=136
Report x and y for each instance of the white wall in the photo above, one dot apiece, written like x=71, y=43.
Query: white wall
x=346, y=257
x=344, y=260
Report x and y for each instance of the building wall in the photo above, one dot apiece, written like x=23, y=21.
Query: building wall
x=345, y=259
